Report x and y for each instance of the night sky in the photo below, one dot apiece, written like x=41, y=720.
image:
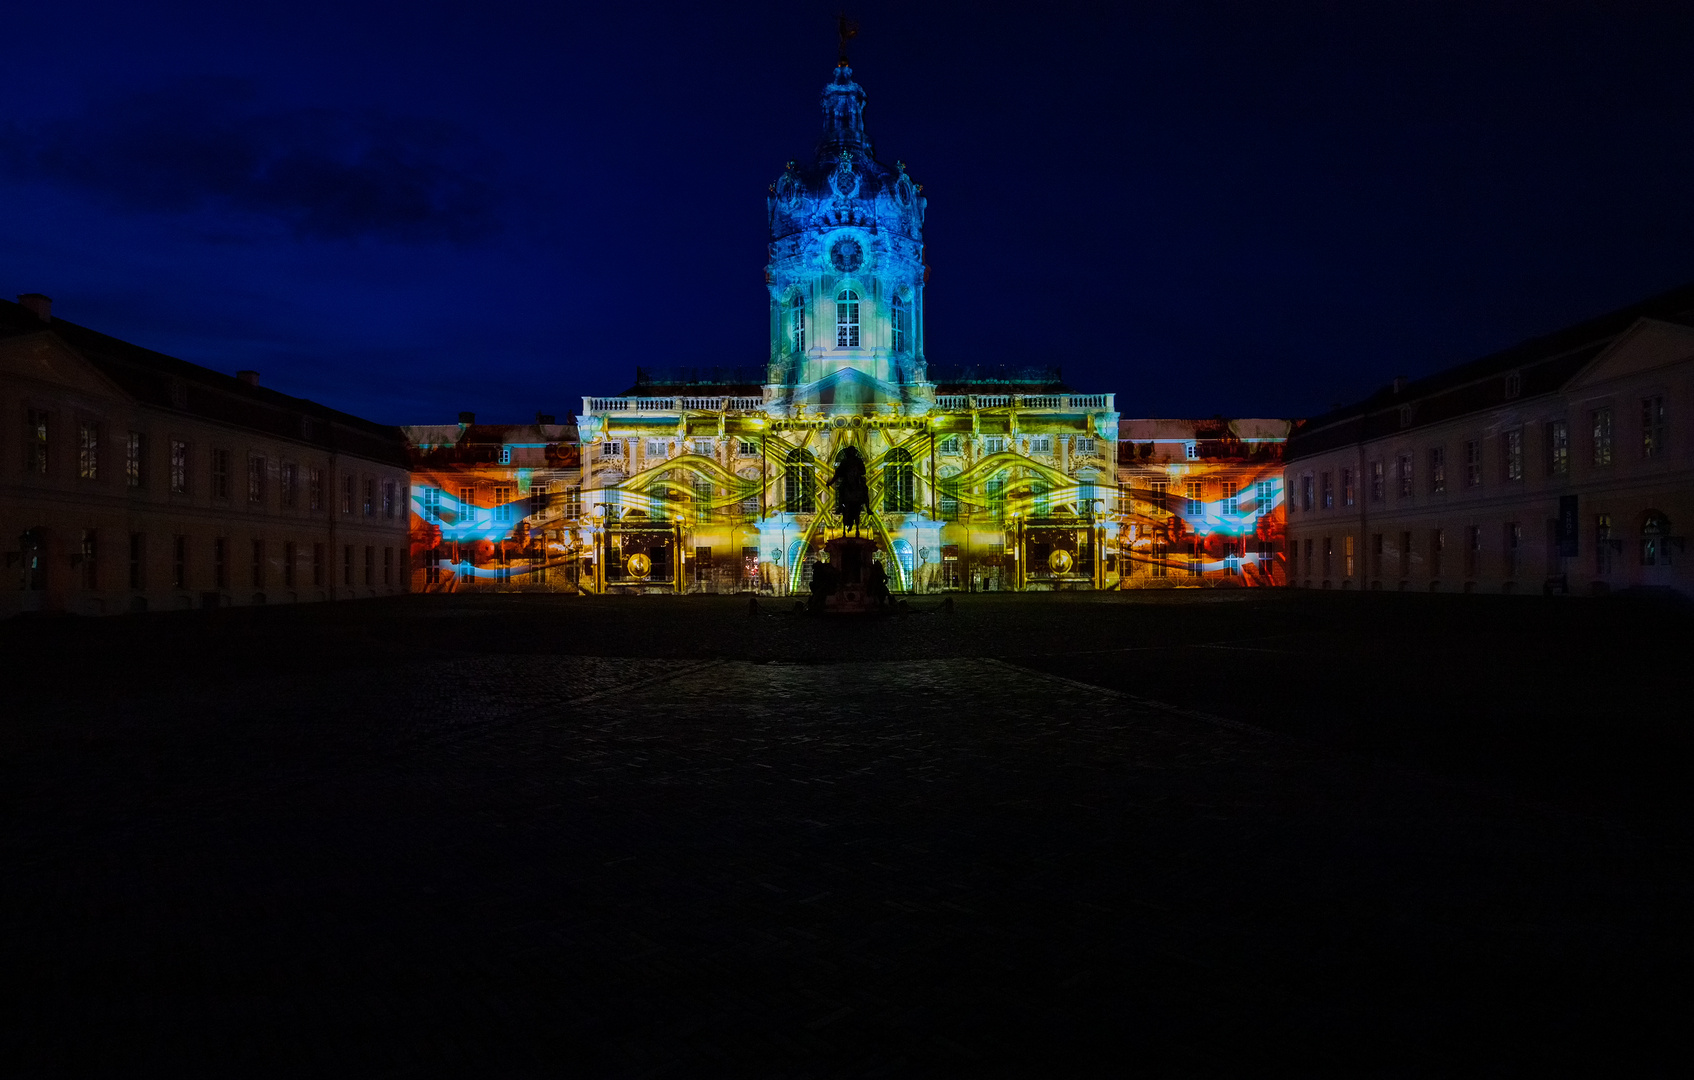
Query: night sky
x=405, y=210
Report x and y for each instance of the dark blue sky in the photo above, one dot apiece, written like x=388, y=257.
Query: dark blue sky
x=405, y=210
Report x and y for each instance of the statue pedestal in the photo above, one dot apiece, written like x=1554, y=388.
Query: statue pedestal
x=850, y=557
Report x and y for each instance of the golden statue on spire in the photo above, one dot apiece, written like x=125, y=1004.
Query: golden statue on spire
x=846, y=30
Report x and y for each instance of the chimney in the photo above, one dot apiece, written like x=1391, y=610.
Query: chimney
x=1399, y=383
x=40, y=306
x=543, y=418
x=251, y=378
x=466, y=419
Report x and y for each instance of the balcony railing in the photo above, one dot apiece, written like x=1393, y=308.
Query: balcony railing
x=1024, y=401
x=592, y=405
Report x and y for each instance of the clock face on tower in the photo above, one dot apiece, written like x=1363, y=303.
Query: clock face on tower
x=846, y=255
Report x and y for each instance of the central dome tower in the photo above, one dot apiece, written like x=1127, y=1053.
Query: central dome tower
x=846, y=272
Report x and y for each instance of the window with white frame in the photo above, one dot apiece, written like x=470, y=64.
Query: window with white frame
x=505, y=455
x=703, y=447
x=797, y=322
x=1084, y=444
x=1231, y=499
x=657, y=447
x=747, y=448
x=1196, y=502
x=432, y=504
x=950, y=445
x=502, y=503
x=901, y=334
x=1262, y=497
x=1041, y=444
x=847, y=319
x=1191, y=451
x=611, y=449
x=994, y=444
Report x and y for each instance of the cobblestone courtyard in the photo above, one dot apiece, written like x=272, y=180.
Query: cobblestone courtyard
x=526, y=836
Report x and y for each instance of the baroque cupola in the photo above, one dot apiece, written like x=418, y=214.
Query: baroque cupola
x=846, y=272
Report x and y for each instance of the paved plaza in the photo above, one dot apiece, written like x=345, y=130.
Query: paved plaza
x=560, y=836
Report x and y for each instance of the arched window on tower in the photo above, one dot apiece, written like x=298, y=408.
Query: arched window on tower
x=800, y=483
x=797, y=322
x=902, y=331
x=899, y=489
x=847, y=320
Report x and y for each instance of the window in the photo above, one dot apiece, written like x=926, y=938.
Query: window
x=1376, y=549
x=370, y=497
x=1655, y=529
x=797, y=322
x=258, y=564
x=138, y=560
x=88, y=451
x=220, y=563
x=1191, y=451
x=35, y=442
x=1305, y=491
x=179, y=467
x=847, y=319
x=799, y=483
x=902, y=333
x=1438, y=470
x=135, y=460
x=1511, y=544
x=432, y=504
x=317, y=564
x=1473, y=549
x=220, y=474
x=370, y=563
x=179, y=562
x=657, y=448
x=1263, y=498
x=703, y=447
x=288, y=480
x=502, y=504
x=1473, y=463
x=390, y=502
x=1327, y=485
x=747, y=448
x=1232, y=500
x=702, y=499
x=948, y=497
x=1514, y=384
x=288, y=558
x=573, y=502
x=1602, y=544
x=1083, y=445
x=505, y=455
x=1328, y=554
x=467, y=505
x=1041, y=444
x=347, y=564
x=388, y=566
x=1437, y=547
x=539, y=496
x=348, y=487
x=950, y=444
x=1405, y=476
x=702, y=565
x=610, y=449
x=255, y=479
x=995, y=491
x=1159, y=491
x=994, y=444
x=1653, y=427
x=1196, y=503
x=1347, y=555
x=1511, y=445
x=1308, y=557
x=1377, y=484
x=90, y=559
x=1558, y=448
x=1405, y=554
x=1600, y=424
x=1041, y=497
x=1347, y=496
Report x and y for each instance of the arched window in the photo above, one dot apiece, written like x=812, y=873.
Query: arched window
x=847, y=320
x=903, y=559
x=800, y=483
x=797, y=322
x=900, y=311
x=898, y=486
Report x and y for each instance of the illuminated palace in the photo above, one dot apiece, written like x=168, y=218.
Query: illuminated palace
x=988, y=477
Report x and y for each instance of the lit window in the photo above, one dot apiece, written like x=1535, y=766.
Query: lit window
x=1347, y=497
x=950, y=445
x=1041, y=444
x=1264, y=497
x=703, y=447
x=901, y=334
x=847, y=320
x=1558, y=448
x=432, y=504
x=1438, y=470
x=611, y=449
x=994, y=444
x=996, y=493
x=702, y=499
x=88, y=452
x=657, y=447
x=1377, y=481
x=1328, y=488
x=135, y=460
x=1084, y=445
x=505, y=455
x=1191, y=451
x=898, y=486
x=502, y=504
x=1653, y=427
x=1158, y=491
x=35, y=441
x=800, y=483
x=1513, y=446
x=1405, y=476
x=747, y=448
x=797, y=322
x=1196, y=499
x=1232, y=498
x=1600, y=422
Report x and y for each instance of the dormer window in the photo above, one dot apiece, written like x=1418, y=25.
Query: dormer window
x=505, y=455
x=847, y=320
x=1514, y=384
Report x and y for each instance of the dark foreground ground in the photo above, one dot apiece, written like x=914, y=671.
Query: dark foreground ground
x=1197, y=833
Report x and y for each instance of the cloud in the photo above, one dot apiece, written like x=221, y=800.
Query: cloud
x=210, y=145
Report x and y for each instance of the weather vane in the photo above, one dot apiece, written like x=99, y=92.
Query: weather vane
x=846, y=30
